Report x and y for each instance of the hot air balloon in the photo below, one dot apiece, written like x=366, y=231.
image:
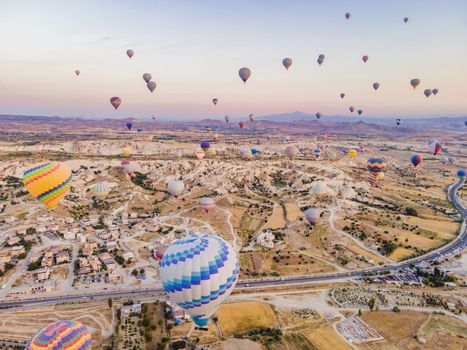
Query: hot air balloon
x=398, y=121
x=244, y=74
x=241, y=124
x=206, y=203
x=200, y=154
x=215, y=100
x=251, y=117
x=435, y=148
x=198, y=273
x=48, y=182
x=352, y=153
x=205, y=145
x=287, y=62
x=227, y=119
x=406, y=19
x=312, y=215
x=351, y=109
x=130, y=53
x=375, y=86
x=153, y=117
x=127, y=167
x=320, y=59
x=126, y=152
x=465, y=123
x=452, y=159
x=100, y=190
x=139, y=130
x=435, y=91
x=375, y=165
x=246, y=152
x=444, y=159
x=371, y=178
x=318, y=115
x=147, y=77
x=61, y=335
x=151, y=86
x=347, y=15
x=291, y=151
x=461, y=173
x=129, y=125
x=427, y=92
x=360, y=112
x=342, y=95
x=254, y=151
x=160, y=251
x=415, y=83
x=77, y=72
x=380, y=176
x=175, y=188
x=115, y=101
x=364, y=58
x=317, y=153
x=416, y=160
x=177, y=154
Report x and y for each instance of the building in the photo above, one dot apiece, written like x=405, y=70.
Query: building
x=266, y=239
x=62, y=257
x=42, y=274
x=95, y=263
x=47, y=259
x=84, y=267
x=16, y=251
x=128, y=256
x=111, y=245
x=109, y=262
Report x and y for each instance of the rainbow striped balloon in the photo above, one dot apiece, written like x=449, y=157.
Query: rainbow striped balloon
x=48, y=182
x=61, y=335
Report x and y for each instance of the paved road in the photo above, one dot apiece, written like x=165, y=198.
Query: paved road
x=456, y=244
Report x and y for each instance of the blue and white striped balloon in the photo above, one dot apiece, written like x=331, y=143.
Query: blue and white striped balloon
x=100, y=190
x=198, y=273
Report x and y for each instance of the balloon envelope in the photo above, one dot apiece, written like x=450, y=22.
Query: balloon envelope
x=48, y=182
x=198, y=273
x=200, y=154
x=63, y=335
x=175, y=188
x=406, y=19
x=375, y=86
x=251, y=117
x=227, y=118
x=147, y=77
x=312, y=215
x=129, y=125
x=342, y=95
x=130, y=53
x=244, y=74
x=115, y=101
x=351, y=109
x=318, y=115
x=435, y=91
x=416, y=160
x=435, y=148
x=215, y=100
x=461, y=173
x=375, y=165
x=207, y=203
x=415, y=83
x=241, y=124
x=291, y=151
x=151, y=86
x=352, y=153
x=287, y=62
x=205, y=145
x=77, y=72
x=347, y=15
x=100, y=190
x=365, y=58
x=360, y=112
x=427, y=92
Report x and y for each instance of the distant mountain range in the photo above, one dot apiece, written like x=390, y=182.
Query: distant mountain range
x=454, y=123
x=296, y=123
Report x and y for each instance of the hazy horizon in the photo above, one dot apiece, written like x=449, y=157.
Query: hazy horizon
x=194, y=51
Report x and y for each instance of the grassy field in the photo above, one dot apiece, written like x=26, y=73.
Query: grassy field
x=393, y=326
x=325, y=338
x=360, y=251
x=276, y=220
x=293, y=211
x=240, y=317
x=400, y=253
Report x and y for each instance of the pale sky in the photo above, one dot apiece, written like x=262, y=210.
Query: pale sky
x=194, y=49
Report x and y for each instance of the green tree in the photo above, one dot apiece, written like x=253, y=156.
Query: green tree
x=109, y=302
x=371, y=303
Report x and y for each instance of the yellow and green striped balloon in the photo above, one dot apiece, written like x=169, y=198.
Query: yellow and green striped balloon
x=48, y=182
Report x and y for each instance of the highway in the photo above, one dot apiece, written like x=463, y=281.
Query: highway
x=458, y=243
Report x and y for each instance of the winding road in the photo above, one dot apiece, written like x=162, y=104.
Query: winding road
x=458, y=243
